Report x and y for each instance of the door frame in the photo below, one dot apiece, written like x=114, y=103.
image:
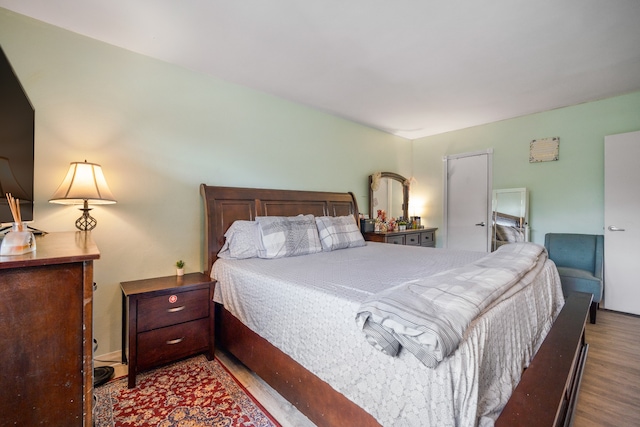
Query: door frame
x=445, y=159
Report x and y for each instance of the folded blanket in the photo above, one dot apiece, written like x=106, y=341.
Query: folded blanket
x=429, y=316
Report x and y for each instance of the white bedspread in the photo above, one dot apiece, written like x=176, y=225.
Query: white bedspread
x=428, y=316
x=306, y=307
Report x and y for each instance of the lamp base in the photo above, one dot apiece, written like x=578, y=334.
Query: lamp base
x=86, y=222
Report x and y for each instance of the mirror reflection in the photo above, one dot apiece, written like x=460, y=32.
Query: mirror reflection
x=388, y=192
x=510, y=216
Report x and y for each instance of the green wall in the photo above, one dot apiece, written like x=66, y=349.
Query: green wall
x=565, y=195
x=158, y=131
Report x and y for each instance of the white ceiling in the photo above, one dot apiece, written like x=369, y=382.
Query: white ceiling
x=408, y=67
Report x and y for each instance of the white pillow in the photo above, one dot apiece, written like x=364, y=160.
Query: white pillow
x=338, y=232
x=288, y=236
x=242, y=240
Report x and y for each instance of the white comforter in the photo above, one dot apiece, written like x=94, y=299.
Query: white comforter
x=306, y=307
x=428, y=316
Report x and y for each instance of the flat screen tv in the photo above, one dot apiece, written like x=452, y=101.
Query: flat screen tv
x=16, y=144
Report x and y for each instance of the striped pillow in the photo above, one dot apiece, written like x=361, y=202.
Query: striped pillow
x=338, y=232
x=288, y=236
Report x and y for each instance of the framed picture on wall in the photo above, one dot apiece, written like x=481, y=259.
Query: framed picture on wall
x=544, y=150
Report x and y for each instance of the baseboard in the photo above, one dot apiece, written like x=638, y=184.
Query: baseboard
x=108, y=359
x=619, y=312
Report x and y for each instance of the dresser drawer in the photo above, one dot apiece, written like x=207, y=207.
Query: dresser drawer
x=412, y=239
x=172, y=342
x=171, y=309
x=427, y=238
x=396, y=240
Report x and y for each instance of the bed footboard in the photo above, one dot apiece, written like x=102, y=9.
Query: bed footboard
x=548, y=390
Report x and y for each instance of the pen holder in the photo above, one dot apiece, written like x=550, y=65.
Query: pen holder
x=17, y=241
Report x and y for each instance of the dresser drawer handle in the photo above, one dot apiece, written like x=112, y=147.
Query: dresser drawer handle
x=176, y=309
x=176, y=341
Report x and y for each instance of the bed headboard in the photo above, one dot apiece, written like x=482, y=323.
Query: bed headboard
x=223, y=205
x=508, y=220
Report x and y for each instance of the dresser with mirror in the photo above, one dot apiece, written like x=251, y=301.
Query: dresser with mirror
x=389, y=192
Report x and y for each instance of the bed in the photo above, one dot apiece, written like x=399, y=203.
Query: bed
x=317, y=378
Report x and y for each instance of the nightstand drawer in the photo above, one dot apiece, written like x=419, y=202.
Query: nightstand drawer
x=171, y=343
x=171, y=309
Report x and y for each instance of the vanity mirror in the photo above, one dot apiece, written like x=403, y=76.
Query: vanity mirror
x=387, y=191
x=510, y=216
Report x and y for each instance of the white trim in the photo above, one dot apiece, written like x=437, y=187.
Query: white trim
x=112, y=359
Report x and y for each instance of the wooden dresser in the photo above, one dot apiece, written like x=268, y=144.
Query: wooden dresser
x=46, y=304
x=420, y=237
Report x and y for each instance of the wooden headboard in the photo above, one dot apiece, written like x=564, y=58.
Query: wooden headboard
x=223, y=205
x=510, y=220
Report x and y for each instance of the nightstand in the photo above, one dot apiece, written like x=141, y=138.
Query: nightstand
x=165, y=319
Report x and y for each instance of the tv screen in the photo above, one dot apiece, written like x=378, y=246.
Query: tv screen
x=16, y=144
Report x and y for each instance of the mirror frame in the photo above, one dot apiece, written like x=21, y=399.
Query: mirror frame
x=405, y=193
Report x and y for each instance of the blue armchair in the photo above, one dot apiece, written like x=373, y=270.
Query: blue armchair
x=579, y=258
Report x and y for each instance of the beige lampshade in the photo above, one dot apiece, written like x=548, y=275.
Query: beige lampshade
x=84, y=181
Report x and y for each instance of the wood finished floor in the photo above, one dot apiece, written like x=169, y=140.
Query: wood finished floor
x=609, y=394
x=610, y=389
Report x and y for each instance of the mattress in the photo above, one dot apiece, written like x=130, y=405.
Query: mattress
x=306, y=306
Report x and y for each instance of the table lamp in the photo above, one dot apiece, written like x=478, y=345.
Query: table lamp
x=84, y=184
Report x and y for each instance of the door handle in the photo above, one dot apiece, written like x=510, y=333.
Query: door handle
x=614, y=228
x=480, y=224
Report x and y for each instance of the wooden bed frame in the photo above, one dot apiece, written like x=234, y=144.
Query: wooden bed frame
x=546, y=394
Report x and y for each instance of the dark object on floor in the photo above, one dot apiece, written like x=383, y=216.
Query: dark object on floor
x=101, y=375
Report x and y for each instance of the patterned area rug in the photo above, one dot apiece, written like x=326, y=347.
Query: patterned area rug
x=192, y=393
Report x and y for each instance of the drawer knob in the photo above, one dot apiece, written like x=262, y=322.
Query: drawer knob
x=176, y=309
x=176, y=341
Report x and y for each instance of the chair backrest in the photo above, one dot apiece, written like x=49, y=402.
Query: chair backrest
x=582, y=251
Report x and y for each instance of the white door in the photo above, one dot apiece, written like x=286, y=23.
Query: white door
x=467, y=204
x=622, y=222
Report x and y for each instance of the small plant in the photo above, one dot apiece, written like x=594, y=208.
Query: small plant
x=180, y=264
